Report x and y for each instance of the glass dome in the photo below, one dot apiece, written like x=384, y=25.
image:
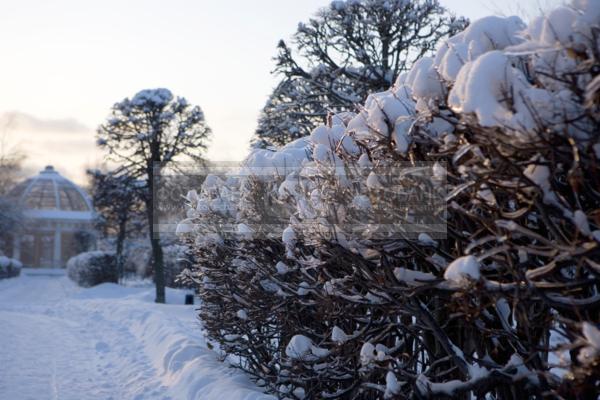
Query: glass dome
x=58, y=220
x=51, y=191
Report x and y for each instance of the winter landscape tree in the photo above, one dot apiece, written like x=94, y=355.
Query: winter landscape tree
x=504, y=304
x=149, y=133
x=118, y=203
x=347, y=51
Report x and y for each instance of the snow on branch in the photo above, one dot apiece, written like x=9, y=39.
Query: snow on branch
x=494, y=292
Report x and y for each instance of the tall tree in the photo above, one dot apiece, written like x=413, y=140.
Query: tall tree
x=346, y=51
x=117, y=200
x=147, y=134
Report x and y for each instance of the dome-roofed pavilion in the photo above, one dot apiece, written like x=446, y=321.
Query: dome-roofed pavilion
x=59, y=220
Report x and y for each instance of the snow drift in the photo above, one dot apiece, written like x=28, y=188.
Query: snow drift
x=108, y=341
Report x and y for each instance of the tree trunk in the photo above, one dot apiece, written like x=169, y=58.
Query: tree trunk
x=159, y=273
x=157, y=253
x=120, y=242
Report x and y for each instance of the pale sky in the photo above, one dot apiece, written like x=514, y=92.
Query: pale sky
x=65, y=62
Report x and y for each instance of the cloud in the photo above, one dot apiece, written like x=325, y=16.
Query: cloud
x=21, y=121
x=66, y=143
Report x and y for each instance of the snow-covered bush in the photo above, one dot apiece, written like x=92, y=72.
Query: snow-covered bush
x=9, y=267
x=505, y=305
x=92, y=268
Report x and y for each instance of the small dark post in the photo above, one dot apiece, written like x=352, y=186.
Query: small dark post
x=189, y=299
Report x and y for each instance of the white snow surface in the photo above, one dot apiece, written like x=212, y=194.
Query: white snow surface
x=158, y=97
x=483, y=35
x=338, y=335
x=288, y=237
x=592, y=336
x=58, y=341
x=367, y=353
x=462, y=270
x=392, y=386
x=301, y=347
x=469, y=95
x=289, y=158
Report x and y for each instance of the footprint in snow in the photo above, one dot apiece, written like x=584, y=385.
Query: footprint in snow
x=102, y=347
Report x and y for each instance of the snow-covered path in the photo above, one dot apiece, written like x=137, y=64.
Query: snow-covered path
x=58, y=341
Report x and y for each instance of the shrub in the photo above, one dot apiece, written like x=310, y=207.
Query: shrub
x=93, y=268
x=505, y=305
x=9, y=267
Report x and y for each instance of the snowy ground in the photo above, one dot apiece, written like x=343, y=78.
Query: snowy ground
x=58, y=341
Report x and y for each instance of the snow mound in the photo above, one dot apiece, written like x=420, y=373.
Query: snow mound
x=289, y=158
x=463, y=270
x=9, y=267
x=488, y=101
x=338, y=335
x=301, y=347
x=7, y=264
x=481, y=36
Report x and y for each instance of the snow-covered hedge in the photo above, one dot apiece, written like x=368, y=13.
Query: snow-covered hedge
x=506, y=305
x=93, y=268
x=9, y=267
